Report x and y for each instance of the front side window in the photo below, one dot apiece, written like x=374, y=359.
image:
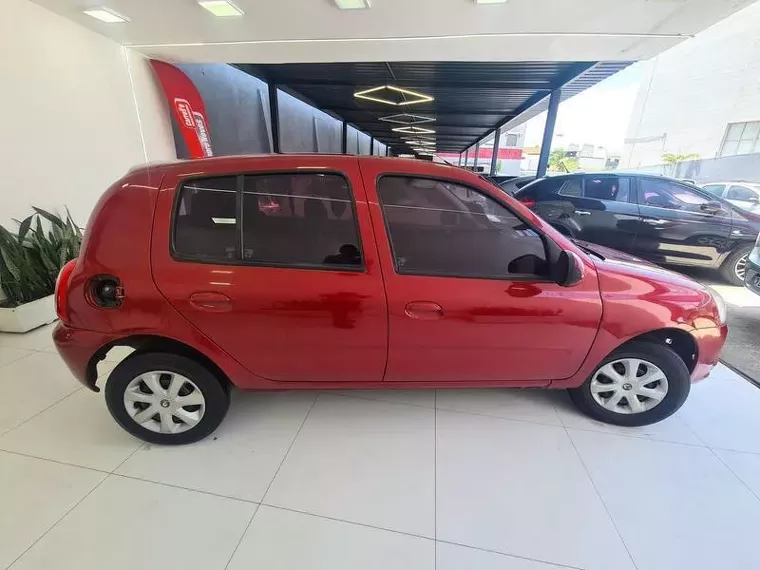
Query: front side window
x=741, y=193
x=442, y=228
x=668, y=195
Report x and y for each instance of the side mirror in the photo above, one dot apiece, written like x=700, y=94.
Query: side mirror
x=712, y=207
x=566, y=271
x=754, y=199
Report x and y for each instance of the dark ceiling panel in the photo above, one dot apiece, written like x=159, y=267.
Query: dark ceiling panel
x=471, y=98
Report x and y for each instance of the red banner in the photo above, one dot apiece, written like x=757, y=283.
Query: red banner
x=187, y=107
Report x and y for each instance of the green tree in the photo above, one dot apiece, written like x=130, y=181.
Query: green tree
x=671, y=158
x=560, y=162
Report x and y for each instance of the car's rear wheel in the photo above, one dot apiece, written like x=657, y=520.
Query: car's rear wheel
x=639, y=384
x=166, y=398
x=734, y=268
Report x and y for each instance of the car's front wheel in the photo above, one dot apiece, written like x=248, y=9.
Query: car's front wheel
x=639, y=384
x=166, y=398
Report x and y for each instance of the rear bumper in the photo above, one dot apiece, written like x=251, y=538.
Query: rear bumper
x=81, y=350
x=709, y=344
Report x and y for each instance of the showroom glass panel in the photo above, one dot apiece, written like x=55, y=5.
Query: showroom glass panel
x=204, y=221
x=442, y=228
x=304, y=220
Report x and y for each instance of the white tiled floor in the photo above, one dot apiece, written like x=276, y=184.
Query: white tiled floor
x=446, y=480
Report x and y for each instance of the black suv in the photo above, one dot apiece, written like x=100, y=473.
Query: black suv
x=660, y=219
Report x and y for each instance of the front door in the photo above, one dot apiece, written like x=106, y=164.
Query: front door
x=679, y=225
x=469, y=296
x=278, y=268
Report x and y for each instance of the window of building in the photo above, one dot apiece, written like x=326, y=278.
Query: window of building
x=511, y=140
x=440, y=228
x=666, y=194
x=299, y=219
x=741, y=138
x=205, y=224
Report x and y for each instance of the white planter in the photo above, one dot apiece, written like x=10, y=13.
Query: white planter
x=29, y=316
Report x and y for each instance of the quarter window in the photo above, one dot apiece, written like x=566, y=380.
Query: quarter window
x=442, y=228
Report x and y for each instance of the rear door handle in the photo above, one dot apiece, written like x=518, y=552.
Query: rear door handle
x=582, y=213
x=424, y=310
x=211, y=301
x=654, y=222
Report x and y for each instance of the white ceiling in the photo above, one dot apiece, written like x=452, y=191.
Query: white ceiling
x=280, y=31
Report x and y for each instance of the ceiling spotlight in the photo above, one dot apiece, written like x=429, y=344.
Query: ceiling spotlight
x=407, y=119
x=352, y=4
x=221, y=8
x=413, y=130
x=383, y=94
x=106, y=15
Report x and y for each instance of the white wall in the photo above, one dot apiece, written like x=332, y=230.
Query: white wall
x=692, y=92
x=70, y=124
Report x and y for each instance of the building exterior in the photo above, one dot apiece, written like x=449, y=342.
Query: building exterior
x=701, y=97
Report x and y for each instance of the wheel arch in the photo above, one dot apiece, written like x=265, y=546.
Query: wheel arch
x=678, y=340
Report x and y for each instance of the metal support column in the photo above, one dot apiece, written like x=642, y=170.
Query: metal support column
x=460, y=159
x=477, y=152
x=466, y=157
x=344, y=143
x=495, y=151
x=551, y=121
x=274, y=115
x=371, y=146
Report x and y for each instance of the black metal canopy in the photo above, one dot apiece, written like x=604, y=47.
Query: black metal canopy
x=471, y=99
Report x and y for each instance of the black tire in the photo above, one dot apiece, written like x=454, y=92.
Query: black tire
x=216, y=396
x=676, y=373
x=728, y=269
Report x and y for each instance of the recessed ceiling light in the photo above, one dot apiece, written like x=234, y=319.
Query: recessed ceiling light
x=352, y=4
x=106, y=15
x=407, y=119
x=376, y=94
x=405, y=156
x=490, y=1
x=413, y=130
x=221, y=8
x=416, y=142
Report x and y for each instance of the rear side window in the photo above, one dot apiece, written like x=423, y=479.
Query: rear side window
x=288, y=219
x=714, y=189
x=608, y=188
x=299, y=219
x=205, y=221
x=441, y=228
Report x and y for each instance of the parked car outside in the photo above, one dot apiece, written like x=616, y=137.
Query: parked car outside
x=515, y=184
x=659, y=219
x=745, y=195
x=752, y=278
x=324, y=272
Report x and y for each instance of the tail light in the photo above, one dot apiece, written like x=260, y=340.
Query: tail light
x=527, y=201
x=62, y=291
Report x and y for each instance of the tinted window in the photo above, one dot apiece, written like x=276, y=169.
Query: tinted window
x=541, y=187
x=610, y=188
x=572, y=187
x=741, y=193
x=440, y=228
x=299, y=219
x=666, y=194
x=714, y=189
x=205, y=219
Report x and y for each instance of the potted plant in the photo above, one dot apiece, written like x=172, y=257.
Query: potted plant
x=29, y=264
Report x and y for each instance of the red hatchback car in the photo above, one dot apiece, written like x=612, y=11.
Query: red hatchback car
x=319, y=272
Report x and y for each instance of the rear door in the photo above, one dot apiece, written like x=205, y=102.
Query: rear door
x=679, y=224
x=275, y=262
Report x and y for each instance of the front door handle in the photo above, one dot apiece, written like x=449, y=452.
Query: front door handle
x=211, y=301
x=582, y=212
x=424, y=310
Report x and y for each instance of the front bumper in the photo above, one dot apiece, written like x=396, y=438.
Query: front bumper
x=81, y=350
x=752, y=277
x=710, y=342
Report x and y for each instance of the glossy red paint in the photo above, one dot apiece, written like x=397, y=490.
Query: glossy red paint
x=274, y=328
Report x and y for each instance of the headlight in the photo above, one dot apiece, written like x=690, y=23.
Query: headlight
x=721, y=305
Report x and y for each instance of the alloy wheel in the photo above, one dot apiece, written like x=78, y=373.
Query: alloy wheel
x=164, y=402
x=629, y=386
x=740, y=268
